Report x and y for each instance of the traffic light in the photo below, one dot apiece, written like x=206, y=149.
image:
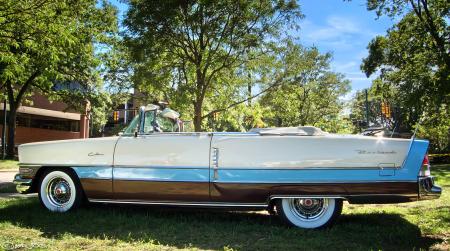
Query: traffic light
x=116, y=116
x=386, y=109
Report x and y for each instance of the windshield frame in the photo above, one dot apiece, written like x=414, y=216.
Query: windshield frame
x=141, y=118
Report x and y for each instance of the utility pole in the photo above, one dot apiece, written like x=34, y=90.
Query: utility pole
x=91, y=128
x=367, y=107
x=249, y=89
x=125, y=111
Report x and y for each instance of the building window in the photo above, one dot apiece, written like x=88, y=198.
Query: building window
x=33, y=121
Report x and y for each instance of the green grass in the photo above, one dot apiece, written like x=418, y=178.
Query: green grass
x=24, y=224
x=9, y=165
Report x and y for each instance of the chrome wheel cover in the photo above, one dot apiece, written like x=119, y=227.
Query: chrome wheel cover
x=58, y=192
x=308, y=209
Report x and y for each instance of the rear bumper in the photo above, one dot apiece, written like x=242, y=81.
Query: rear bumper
x=427, y=189
x=23, y=185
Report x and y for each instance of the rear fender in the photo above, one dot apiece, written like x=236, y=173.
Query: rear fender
x=414, y=159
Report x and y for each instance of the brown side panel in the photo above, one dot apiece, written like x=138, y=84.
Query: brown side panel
x=161, y=191
x=259, y=193
x=97, y=188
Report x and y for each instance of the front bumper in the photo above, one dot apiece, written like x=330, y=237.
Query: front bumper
x=427, y=189
x=23, y=185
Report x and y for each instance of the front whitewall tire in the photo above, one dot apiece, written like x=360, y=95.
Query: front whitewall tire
x=58, y=191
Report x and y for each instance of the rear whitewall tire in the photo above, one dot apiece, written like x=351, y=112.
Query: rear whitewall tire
x=320, y=213
x=59, y=191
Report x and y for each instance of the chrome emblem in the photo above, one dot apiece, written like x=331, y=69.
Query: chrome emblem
x=91, y=154
x=375, y=152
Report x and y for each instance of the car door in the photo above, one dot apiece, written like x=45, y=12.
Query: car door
x=162, y=167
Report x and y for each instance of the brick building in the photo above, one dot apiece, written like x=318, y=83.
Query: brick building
x=45, y=120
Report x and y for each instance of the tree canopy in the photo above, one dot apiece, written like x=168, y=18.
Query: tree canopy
x=48, y=42
x=415, y=54
x=310, y=93
x=413, y=65
x=186, y=46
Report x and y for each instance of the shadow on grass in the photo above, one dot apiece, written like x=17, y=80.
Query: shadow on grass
x=214, y=229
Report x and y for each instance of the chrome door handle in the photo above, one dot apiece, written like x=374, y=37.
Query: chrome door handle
x=215, y=163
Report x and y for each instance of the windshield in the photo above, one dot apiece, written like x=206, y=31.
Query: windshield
x=133, y=126
x=160, y=124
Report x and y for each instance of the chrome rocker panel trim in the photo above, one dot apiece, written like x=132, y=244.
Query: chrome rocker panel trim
x=170, y=203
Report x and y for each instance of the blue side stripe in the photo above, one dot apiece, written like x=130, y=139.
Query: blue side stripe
x=158, y=174
x=87, y=172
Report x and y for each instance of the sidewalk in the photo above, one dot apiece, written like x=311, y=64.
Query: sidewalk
x=7, y=176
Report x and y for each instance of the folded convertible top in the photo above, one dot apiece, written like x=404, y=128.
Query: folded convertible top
x=298, y=131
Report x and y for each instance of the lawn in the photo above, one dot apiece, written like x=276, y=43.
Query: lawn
x=10, y=165
x=24, y=224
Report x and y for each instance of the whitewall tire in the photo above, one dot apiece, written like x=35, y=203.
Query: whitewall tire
x=59, y=191
x=309, y=212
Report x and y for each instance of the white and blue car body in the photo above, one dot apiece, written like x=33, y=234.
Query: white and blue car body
x=302, y=172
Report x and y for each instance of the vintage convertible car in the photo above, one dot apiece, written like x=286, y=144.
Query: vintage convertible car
x=303, y=173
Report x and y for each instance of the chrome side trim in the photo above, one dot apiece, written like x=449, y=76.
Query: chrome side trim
x=206, y=167
x=316, y=182
x=64, y=165
x=300, y=168
x=215, y=163
x=160, y=180
x=228, y=204
x=161, y=167
x=302, y=182
x=170, y=203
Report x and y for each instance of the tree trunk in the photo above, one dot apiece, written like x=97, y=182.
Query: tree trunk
x=10, y=150
x=200, y=96
x=14, y=103
x=198, y=116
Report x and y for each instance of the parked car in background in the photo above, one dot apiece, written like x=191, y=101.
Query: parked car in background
x=303, y=172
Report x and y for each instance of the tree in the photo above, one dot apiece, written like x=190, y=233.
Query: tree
x=413, y=62
x=309, y=93
x=430, y=16
x=182, y=47
x=49, y=42
x=414, y=56
x=436, y=128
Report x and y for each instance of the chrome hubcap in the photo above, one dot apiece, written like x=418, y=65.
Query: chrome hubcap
x=58, y=191
x=308, y=209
